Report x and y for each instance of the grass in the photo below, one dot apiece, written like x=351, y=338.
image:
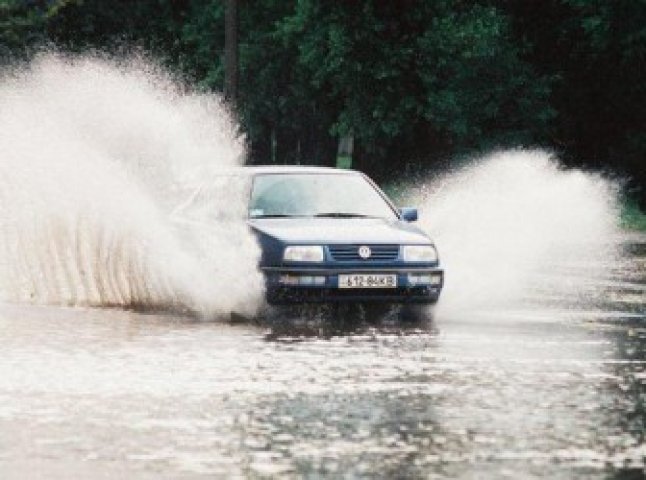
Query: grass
x=344, y=161
x=632, y=217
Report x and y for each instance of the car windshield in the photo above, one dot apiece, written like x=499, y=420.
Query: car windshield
x=220, y=197
x=316, y=195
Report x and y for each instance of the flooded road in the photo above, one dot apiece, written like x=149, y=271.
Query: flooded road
x=551, y=388
x=533, y=368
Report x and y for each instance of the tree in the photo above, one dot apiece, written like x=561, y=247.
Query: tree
x=410, y=79
x=22, y=26
x=596, y=51
x=231, y=50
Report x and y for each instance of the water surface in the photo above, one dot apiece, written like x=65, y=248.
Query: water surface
x=552, y=388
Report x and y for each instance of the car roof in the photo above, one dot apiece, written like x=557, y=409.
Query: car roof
x=283, y=169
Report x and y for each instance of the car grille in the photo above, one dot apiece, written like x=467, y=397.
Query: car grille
x=350, y=253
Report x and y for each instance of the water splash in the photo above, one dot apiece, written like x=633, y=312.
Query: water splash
x=515, y=223
x=96, y=154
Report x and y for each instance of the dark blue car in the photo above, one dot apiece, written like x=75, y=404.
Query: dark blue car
x=331, y=235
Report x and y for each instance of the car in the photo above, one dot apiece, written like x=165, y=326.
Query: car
x=332, y=236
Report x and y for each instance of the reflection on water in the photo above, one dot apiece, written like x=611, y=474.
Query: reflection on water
x=300, y=323
x=552, y=388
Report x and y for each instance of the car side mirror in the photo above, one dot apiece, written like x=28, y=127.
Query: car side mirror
x=408, y=214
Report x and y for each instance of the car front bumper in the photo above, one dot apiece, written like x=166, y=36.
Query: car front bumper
x=326, y=289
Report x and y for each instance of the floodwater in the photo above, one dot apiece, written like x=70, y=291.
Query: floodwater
x=532, y=367
x=552, y=388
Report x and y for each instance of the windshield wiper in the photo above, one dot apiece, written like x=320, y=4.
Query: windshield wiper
x=342, y=215
x=274, y=215
x=320, y=215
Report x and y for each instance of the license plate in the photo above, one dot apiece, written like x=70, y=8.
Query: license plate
x=367, y=281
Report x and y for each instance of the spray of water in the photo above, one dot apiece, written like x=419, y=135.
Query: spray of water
x=94, y=156
x=515, y=225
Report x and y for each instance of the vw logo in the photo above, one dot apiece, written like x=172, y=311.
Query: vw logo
x=364, y=252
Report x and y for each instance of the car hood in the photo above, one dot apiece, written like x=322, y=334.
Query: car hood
x=339, y=230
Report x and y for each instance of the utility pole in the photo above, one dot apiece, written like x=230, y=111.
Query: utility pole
x=231, y=50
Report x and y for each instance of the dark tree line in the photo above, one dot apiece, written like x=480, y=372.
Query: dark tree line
x=413, y=82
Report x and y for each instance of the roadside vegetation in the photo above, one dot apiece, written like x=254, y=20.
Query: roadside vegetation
x=411, y=82
x=632, y=217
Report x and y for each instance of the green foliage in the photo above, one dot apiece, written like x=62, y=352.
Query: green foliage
x=202, y=40
x=21, y=25
x=632, y=217
x=596, y=50
x=433, y=75
x=411, y=81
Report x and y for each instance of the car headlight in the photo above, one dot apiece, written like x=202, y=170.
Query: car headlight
x=420, y=253
x=303, y=253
